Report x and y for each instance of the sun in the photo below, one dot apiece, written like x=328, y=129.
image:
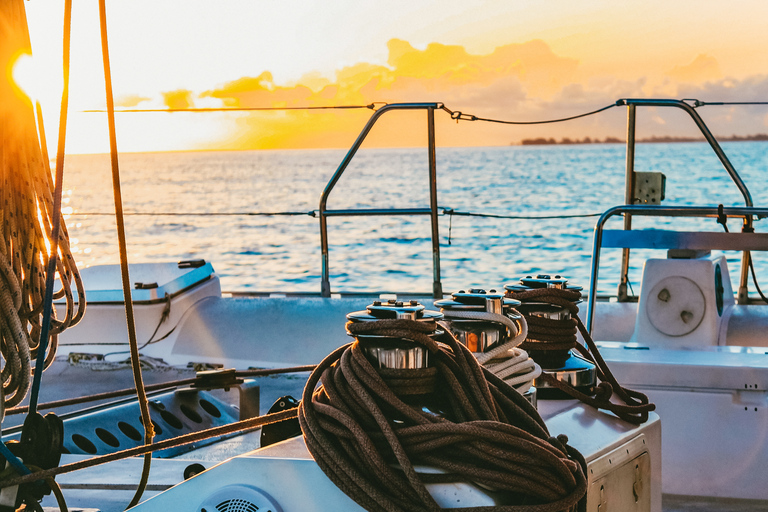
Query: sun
x=24, y=77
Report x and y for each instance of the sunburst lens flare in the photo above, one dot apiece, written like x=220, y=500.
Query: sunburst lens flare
x=24, y=76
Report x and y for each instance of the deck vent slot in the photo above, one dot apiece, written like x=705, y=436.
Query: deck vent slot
x=236, y=505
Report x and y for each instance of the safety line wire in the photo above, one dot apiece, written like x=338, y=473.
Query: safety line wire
x=698, y=103
x=315, y=213
x=371, y=106
x=460, y=116
x=56, y=228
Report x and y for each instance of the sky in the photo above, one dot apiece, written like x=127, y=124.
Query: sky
x=513, y=60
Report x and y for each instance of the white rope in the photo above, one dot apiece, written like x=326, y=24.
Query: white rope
x=506, y=361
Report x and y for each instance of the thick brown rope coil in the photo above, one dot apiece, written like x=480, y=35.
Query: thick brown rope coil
x=546, y=334
x=369, y=437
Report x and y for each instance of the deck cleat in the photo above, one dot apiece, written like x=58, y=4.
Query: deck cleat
x=548, y=347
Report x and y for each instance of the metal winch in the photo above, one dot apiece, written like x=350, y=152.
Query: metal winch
x=466, y=317
x=390, y=352
x=563, y=364
x=479, y=335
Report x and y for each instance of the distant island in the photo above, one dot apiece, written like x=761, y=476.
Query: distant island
x=541, y=141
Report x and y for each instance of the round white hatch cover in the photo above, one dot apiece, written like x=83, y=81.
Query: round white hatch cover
x=675, y=306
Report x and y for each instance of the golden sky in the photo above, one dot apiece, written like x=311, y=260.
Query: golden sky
x=521, y=60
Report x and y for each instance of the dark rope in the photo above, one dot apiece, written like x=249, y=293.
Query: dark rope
x=560, y=335
x=367, y=438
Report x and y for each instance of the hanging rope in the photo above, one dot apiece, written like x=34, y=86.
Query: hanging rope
x=362, y=433
x=27, y=219
x=149, y=431
x=560, y=335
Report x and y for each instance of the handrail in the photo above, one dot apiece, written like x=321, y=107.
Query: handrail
x=745, y=212
x=691, y=111
x=323, y=212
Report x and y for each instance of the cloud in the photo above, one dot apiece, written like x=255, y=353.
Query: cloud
x=131, y=100
x=178, y=99
x=703, y=68
x=520, y=82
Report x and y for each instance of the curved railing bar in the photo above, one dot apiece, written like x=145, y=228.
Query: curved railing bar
x=746, y=212
x=707, y=135
x=691, y=111
x=325, y=285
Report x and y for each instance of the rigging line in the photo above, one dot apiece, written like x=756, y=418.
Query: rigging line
x=56, y=228
x=449, y=211
x=158, y=387
x=149, y=431
x=312, y=213
x=698, y=103
x=372, y=106
x=460, y=116
x=230, y=428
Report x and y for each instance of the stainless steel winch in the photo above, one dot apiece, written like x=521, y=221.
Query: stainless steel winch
x=389, y=352
x=564, y=365
x=481, y=333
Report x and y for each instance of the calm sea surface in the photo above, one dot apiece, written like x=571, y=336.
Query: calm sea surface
x=202, y=202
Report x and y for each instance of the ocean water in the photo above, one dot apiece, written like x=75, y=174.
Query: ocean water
x=201, y=205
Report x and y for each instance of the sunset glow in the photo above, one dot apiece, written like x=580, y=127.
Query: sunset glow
x=521, y=61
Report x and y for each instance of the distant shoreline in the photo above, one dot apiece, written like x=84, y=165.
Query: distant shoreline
x=542, y=141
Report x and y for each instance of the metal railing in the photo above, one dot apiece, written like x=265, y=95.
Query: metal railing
x=324, y=213
x=632, y=104
x=665, y=239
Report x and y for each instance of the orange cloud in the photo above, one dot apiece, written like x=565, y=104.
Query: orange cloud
x=505, y=78
x=179, y=99
x=521, y=82
x=703, y=68
x=132, y=100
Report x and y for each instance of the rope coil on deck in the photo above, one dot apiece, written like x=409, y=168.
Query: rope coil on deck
x=546, y=334
x=365, y=436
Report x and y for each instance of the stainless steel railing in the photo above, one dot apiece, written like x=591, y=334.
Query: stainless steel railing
x=324, y=213
x=632, y=104
x=664, y=239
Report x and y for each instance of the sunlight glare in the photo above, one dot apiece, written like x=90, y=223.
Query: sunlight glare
x=25, y=76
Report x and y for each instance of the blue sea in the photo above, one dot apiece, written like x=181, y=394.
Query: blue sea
x=202, y=205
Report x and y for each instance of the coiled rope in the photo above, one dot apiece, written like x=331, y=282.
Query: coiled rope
x=507, y=361
x=27, y=217
x=362, y=433
x=546, y=334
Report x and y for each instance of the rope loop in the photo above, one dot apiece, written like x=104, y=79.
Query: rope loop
x=550, y=335
x=369, y=436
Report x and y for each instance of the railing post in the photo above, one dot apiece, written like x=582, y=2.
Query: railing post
x=437, y=287
x=629, y=198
